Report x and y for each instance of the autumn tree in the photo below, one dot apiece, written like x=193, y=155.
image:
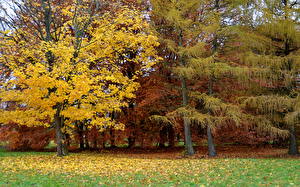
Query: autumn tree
x=272, y=52
x=193, y=33
x=35, y=18
x=171, y=21
x=77, y=77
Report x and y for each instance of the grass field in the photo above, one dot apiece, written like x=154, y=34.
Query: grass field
x=94, y=169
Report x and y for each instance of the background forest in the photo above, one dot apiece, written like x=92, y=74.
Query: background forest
x=96, y=74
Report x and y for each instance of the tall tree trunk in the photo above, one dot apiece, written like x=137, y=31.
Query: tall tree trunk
x=187, y=127
x=188, y=138
x=293, y=146
x=60, y=137
x=184, y=92
x=211, y=146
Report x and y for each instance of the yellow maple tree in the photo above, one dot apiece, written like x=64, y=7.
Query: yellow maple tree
x=80, y=76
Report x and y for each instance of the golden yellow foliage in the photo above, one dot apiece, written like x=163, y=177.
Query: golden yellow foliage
x=75, y=82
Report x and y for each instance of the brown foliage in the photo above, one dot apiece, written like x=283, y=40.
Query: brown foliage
x=25, y=138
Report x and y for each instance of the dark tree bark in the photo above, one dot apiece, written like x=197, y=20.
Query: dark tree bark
x=187, y=127
x=80, y=134
x=211, y=147
x=60, y=137
x=293, y=146
x=184, y=92
x=171, y=136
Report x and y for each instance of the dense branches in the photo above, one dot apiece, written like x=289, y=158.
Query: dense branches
x=88, y=68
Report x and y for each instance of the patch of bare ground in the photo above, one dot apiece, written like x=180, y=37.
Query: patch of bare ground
x=201, y=152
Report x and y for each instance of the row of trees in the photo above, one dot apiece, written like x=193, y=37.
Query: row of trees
x=151, y=71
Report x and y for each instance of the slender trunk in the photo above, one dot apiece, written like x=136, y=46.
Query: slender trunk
x=211, y=146
x=188, y=138
x=187, y=127
x=293, y=146
x=60, y=137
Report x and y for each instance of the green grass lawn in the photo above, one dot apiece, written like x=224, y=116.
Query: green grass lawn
x=91, y=169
